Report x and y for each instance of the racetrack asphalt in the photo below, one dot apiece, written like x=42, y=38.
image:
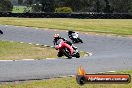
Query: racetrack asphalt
x=110, y=53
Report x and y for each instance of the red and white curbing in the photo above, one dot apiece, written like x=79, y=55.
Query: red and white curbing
x=89, y=54
x=21, y=42
x=26, y=60
x=111, y=71
x=30, y=43
x=37, y=44
x=5, y=60
x=51, y=58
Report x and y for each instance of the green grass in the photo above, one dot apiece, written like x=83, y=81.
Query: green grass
x=17, y=51
x=109, y=26
x=63, y=83
x=20, y=51
x=20, y=9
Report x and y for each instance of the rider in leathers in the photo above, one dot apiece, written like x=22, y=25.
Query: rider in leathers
x=57, y=37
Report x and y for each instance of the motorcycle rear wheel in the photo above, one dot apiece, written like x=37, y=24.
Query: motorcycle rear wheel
x=80, y=40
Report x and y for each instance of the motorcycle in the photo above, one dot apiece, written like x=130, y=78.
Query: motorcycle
x=66, y=50
x=1, y=32
x=75, y=38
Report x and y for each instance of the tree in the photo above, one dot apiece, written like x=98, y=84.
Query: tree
x=47, y=5
x=120, y=6
x=98, y=6
x=37, y=8
x=107, y=8
x=130, y=8
x=117, y=6
x=63, y=10
x=76, y=5
x=5, y=6
x=83, y=5
x=29, y=2
x=20, y=2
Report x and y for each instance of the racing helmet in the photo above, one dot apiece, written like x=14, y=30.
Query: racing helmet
x=56, y=36
x=70, y=32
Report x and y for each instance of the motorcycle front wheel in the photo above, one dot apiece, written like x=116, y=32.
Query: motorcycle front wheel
x=66, y=52
x=77, y=55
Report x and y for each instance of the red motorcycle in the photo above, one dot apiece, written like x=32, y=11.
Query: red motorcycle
x=66, y=50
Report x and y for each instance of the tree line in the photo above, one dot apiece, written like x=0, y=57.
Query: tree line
x=108, y=6
x=5, y=5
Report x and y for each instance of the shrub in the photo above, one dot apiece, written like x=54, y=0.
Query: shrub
x=63, y=10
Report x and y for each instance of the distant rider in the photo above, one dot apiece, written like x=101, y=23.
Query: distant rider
x=70, y=34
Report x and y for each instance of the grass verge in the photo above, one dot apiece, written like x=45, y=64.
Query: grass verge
x=109, y=26
x=18, y=51
x=63, y=83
